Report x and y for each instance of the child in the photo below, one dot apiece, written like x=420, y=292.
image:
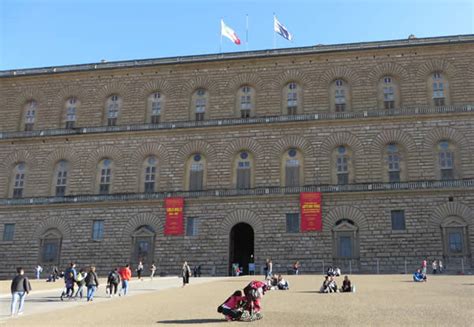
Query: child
x=232, y=307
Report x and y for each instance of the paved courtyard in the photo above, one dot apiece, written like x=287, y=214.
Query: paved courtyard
x=381, y=300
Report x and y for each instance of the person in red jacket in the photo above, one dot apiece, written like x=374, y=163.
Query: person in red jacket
x=125, y=275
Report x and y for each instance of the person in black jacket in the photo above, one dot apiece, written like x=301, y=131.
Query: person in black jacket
x=92, y=282
x=20, y=287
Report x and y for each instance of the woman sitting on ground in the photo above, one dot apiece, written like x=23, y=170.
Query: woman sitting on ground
x=346, y=285
x=282, y=284
x=325, y=287
x=232, y=307
x=419, y=277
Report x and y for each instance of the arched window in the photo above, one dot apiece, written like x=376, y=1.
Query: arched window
x=246, y=101
x=393, y=163
x=50, y=247
x=292, y=98
x=292, y=168
x=143, y=240
x=439, y=89
x=71, y=109
x=150, y=165
x=342, y=165
x=19, y=180
x=60, y=178
x=243, y=170
x=114, y=102
x=446, y=160
x=105, y=176
x=196, y=167
x=389, y=93
x=30, y=115
x=199, y=104
x=340, y=95
x=345, y=239
x=155, y=106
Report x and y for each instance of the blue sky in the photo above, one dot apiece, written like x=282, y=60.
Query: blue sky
x=38, y=33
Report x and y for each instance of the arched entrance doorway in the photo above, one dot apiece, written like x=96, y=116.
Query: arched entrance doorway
x=241, y=246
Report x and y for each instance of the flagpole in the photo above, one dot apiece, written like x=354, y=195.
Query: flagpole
x=220, y=32
x=274, y=35
x=247, y=32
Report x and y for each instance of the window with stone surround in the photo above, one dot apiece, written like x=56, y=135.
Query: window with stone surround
x=398, y=219
x=30, y=110
x=455, y=234
x=143, y=240
x=340, y=95
x=292, y=222
x=97, y=230
x=196, y=172
x=393, y=163
x=155, y=107
x=246, y=101
x=243, y=168
x=19, y=173
x=50, y=247
x=8, y=232
x=292, y=168
x=61, y=172
x=191, y=226
x=71, y=112
x=438, y=87
x=113, y=107
x=150, y=173
x=345, y=239
x=199, y=104
x=105, y=176
x=389, y=93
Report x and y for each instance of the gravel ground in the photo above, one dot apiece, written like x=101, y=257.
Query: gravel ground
x=380, y=300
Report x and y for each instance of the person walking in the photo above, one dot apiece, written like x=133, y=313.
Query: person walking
x=125, y=275
x=38, y=271
x=20, y=287
x=424, y=263
x=440, y=266
x=81, y=282
x=434, y=267
x=139, y=270
x=113, y=281
x=92, y=282
x=152, y=270
x=296, y=267
x=70, y=276
x=185, y=273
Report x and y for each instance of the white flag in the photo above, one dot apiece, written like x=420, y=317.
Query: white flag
x=282, y=30
x=229, y=33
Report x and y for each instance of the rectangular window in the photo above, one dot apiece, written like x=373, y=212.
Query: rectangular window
x=455, y=241
x=389, y=104
x=292, y=222
x=112, y=122
x=199, y=116
x=8, y=232
x=438, y=102
x=98, y=230
x=398, y=219
x=340, y=107
x=70, y=124
x=28, y=127
x=245, y=113
x=17, y=193
x=292, y=173
x=196, y=179
x=60, y=190
x=394, y=176
x=342, y=178
x=292, y=111
x=191, y=226
x=345, y=246
x=243, y=175
x=50, y=251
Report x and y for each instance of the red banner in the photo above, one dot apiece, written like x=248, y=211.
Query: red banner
x=311, y=216
x=174, y=216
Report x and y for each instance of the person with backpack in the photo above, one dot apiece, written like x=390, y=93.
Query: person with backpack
x=81, y=282
x=113, y=281
x=125, y=275
x=70, y=276
x=92, y=282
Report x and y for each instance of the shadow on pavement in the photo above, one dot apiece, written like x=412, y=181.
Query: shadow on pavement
x=191, y=321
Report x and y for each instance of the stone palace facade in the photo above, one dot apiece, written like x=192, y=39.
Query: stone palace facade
x=384, y=130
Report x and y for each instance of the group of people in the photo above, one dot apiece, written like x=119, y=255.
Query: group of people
x=246, y=305
x=277, y=282
x=330, y=285
x=420, y=274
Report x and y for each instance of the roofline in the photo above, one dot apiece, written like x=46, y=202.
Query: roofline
x=438, y=40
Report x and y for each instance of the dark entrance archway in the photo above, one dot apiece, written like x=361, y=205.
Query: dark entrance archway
x=241, y=246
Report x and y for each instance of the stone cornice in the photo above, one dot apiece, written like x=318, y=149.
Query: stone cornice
x=410, y=42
